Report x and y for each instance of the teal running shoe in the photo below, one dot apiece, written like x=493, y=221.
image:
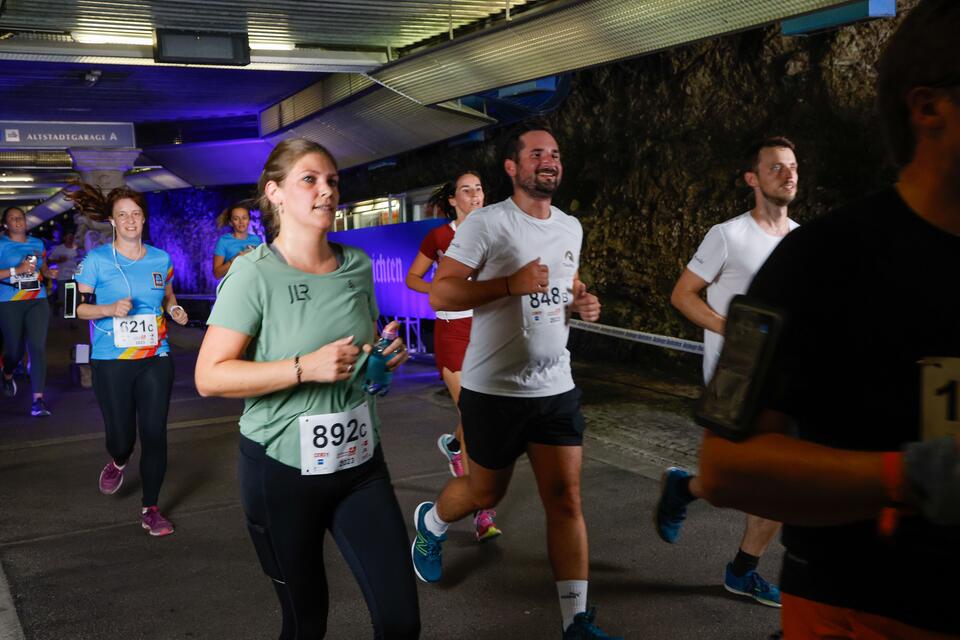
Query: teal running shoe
x=583, y=628
x=426, y=551
x=752, y=585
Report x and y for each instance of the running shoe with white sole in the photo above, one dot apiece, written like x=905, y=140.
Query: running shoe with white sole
x=752, y=585
x=426, y=548
x=454, y=459
x=111, y=477
x=153, y=521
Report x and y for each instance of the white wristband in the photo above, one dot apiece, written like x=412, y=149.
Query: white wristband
x=13, y=272
x=176, y=306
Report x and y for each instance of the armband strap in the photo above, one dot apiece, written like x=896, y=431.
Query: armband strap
x=88, y=298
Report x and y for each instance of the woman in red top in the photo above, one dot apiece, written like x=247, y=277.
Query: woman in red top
x=457, y=198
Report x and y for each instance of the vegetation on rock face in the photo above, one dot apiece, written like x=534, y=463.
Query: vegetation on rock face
x=652, y=155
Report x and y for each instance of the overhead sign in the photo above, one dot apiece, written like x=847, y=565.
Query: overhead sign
x=392, y=248
x=65, y=135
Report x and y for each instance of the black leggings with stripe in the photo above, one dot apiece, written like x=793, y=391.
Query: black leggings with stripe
x=288, y=515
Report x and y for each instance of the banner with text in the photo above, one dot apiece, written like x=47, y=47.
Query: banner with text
x=65, y=135
x=392, y=249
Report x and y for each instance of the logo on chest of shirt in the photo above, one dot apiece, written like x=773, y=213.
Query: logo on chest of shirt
x=298, y=292
x=157, y=280
x=568, y=260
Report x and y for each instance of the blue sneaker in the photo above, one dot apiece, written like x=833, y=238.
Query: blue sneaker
x=752, y=585
x=671, y=509
x=426, y=551
x=582, y=628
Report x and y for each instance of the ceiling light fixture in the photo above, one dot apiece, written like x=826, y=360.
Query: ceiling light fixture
x=6, y=178
x=272, y=46
x=96, y=38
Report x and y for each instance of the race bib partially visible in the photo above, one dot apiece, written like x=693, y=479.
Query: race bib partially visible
x=26, y=281
x=548, y=308
x=940, y=397
x=135, y=331
x=332, y=442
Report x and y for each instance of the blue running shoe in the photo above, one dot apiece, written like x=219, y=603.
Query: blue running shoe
x=671, y=509
x=426, y=551
x=583, y=628
x=752, y=585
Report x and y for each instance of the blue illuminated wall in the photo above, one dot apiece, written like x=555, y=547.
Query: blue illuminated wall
x=183, y=223
x=392, y=249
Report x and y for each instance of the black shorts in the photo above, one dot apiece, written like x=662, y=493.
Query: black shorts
x=498, y=428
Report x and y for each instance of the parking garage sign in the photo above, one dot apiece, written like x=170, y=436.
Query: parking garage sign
x=65, y=135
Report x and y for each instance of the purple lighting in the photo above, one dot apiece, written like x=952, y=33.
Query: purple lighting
x=183, y=223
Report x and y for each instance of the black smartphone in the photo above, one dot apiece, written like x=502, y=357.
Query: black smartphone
x=730, y=403
x=70, y=299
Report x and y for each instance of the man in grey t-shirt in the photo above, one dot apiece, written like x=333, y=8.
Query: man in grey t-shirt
x=518, y=393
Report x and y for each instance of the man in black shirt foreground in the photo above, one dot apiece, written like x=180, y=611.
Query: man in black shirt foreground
x=859, y=413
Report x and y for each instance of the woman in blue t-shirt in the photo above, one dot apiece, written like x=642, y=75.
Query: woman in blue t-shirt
x=235, y=242
x=24, y=312
x=125, y=289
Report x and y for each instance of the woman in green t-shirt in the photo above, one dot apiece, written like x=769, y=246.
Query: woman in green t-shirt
x=290, y=332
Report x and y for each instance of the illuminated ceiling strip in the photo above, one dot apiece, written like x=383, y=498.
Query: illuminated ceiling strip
x=574, y=36
x=313, y=60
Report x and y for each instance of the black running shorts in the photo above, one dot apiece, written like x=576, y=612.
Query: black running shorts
x=498, y=428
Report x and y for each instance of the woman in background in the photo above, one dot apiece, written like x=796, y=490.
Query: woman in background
x=235, y=242
x=456, y=199
x=24, y=310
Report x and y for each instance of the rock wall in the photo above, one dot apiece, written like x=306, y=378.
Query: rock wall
x=652, y=154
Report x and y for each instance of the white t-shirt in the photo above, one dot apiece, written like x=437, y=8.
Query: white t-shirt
x=518, y=344
x=66, y=260
x=729, y=256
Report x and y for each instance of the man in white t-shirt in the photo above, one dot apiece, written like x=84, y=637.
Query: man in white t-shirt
x=724, y=264
x=518, y=394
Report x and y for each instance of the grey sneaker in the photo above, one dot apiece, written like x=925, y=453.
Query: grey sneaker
x=111, y=478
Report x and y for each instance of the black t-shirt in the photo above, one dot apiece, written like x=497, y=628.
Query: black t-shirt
x=868, y=291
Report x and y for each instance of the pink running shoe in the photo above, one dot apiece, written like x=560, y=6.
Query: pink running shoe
x=153, y=521
x=454, y=460
x=111, y=478
x=486, y=528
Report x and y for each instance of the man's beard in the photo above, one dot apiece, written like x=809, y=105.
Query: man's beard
x=780, y=201
x=536, y=188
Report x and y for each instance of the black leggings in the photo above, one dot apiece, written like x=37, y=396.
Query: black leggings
x=287, y=517
x=132, y=392
x=30, y=317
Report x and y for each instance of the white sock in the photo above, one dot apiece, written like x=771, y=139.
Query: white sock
x=573, y=599
x=434, y=524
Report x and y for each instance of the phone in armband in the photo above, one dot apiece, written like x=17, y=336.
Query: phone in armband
x=70, y=299
x=730, y=403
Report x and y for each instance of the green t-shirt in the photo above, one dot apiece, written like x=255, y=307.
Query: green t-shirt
x=289, y=312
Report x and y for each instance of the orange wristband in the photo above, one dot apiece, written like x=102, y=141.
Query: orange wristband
x=893, y=487
x=893, y=477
